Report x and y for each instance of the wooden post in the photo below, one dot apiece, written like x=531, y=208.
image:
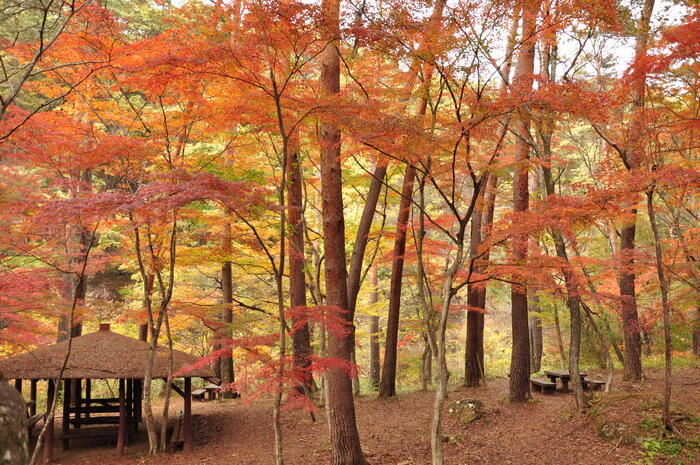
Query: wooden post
x=66, y=412
x=187, y=416
x=48, y=436
x=78, y=401
x=18, y=385
x=129, y=404
x=32, y=395
x=121, y=438
x=88, y=396
x=137, y=398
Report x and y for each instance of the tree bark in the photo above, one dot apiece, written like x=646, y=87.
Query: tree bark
x=345, y=439
x=535, y=343
x=520, y=355
x=301, y=341
x=226, y=365
x=573, y=301
x=374, y=330
x=387, y=386
x=560, y=340
x=666, y=305
x=631, y=158
x=358, y=253
x=472, y=365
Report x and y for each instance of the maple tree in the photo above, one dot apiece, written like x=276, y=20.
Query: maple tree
x=267, y=184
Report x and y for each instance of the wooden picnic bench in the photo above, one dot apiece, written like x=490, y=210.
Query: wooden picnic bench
x=212, y=391
x=593, y=384
x=545, y=385
x=564, y=377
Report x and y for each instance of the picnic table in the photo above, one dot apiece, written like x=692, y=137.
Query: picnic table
x=211, y=390
x=564, y=377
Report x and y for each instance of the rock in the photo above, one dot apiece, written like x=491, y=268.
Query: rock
x=13, y=430
x=467, y=410
x=615, y=431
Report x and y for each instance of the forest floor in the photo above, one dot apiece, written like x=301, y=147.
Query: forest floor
x=395, y=431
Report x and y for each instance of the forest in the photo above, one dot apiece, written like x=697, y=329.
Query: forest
x=370, y=231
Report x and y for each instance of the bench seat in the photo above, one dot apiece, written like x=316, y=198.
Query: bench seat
x=543, y=384
x=594, y=384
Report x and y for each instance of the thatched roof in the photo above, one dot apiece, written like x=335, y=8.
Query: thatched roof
x=99, y=355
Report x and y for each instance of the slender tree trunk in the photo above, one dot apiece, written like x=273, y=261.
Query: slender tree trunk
x=301, y=341
x=443, y=373
x=345, y=439
x=358, y=253
x=666, y=305
x=632, y=159
x=489, y=208
x=535, y=343
x=387, y=386
x=374, y=330
x=573, y=301
x=520, y=355
x=472, y=365
x=226, y=362
x=628, y=296
x=560, y=340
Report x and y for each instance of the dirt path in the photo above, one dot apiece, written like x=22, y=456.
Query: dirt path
x=394, y=432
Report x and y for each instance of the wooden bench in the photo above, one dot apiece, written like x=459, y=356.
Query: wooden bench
x=593, y=384
x=545, y=385
x=198, y=394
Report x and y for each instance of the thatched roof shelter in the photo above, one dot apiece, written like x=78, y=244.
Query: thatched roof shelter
x=100, y=355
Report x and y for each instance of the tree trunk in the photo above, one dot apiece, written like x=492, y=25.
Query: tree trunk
x=358, y=253
x=631, y=157
x=520, y=355
x=472, y=365
x=560, y=341
x=535, y=343
x=628, y=296
x=374, y=330
x=345, y=439
x=301, y=341
x=573, y=301
x=226, y=365
x=666, y=305
x=387, y=386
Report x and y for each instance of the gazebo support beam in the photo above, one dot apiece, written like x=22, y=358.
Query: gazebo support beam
x=18, y=385
x=121, y=438
x=88, y=396
x=48, y=436
x=187, y=415
x=66, y=412
x=32, y=395
x=78, y=389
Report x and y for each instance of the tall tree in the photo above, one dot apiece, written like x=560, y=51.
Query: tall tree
x=345, y=439
x=387, y=385
x=301, y=342
x=374, y=366
x=481, y=222
x=630, y=152
x=520, y=355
